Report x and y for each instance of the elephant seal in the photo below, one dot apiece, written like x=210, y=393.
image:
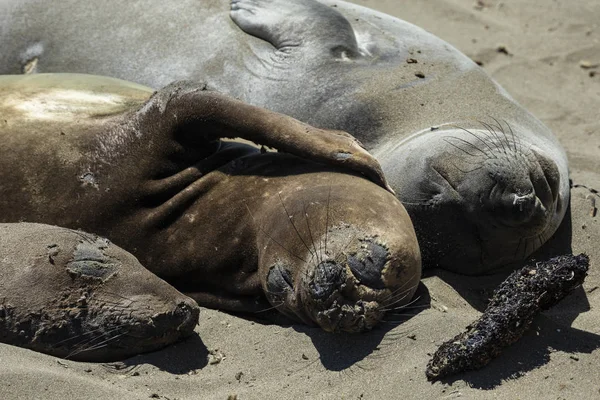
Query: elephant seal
x=220, y=221
x=75, y=295
x=484, y=181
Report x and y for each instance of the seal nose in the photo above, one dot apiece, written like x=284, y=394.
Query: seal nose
x=518, y=208
x=187, y=312
x=523, y=205
x=367, y=264
x=328, y=277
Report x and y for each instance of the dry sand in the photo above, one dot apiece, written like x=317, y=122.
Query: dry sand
x=549, y=44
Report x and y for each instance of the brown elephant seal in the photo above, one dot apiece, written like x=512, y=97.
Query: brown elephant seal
x=75, y=295
x=221, y=222
x=485, y=182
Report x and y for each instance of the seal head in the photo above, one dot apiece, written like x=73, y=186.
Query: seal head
x=486, y=197
x=336, y=264
x=87, y=299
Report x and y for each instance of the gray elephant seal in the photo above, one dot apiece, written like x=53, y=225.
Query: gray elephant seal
x=75, y=295
x=485, y=182
x=220, y=221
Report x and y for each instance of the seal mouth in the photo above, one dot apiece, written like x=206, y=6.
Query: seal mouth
x=512, y=210
x=525, y=201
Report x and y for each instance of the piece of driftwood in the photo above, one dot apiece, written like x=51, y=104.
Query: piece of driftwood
x=513, y=306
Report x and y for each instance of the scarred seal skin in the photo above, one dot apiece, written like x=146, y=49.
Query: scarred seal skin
x=220, y=221
x=75, y=295
x=485, y=182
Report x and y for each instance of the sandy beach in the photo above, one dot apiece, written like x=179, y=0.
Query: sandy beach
x=546, y=54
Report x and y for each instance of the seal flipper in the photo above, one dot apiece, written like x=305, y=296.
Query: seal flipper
x=214, y=115
x=297, y=24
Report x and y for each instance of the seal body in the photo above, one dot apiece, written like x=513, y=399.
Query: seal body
x=220, y=221
x=485, y=182
x=75, y=295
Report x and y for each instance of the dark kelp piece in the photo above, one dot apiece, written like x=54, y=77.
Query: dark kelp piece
x=514, y=304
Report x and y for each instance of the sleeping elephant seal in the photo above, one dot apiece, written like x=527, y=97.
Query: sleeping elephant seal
x=485, y=182
x=222, y=222
x=75, y=295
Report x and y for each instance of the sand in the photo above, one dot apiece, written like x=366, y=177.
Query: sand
x=541, y=52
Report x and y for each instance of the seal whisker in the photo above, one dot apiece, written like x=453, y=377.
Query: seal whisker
x=460, y=148
x=493, y=190
x=396, y=323
x=464, y=171
x=406, y=307
x=409, y=305
x=513, y=136
x=274, y=293
x=413, y=301
x=91, y=341
x=274, y=307
x=97, y=346
x=503, y=130
x=271, y=237
x=500, y=127
x=396, y=300
x=469, y=144
x=396, y=296
x=476, y=137
x=489, y=134
x=397, y=290
x=542, y=238
x=496, y=135
x=398, y=315
x=290, y=219
x=84, y=339
x=312, y=239
x=86, y=237
x=327, y=218
x=516, y=140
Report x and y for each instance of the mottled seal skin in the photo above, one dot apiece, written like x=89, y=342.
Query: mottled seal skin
x=485, y=182
x=220, y=221
x=75, y=295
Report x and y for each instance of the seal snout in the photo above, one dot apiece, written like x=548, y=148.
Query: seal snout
x=348, y=293
x=524, y=198
x=187, y=312
x=519, y=208
x=524, y=206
